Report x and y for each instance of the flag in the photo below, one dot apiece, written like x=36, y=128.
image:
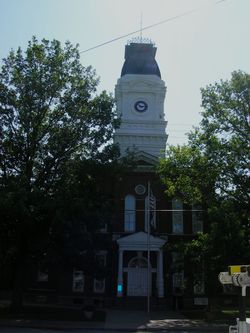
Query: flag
x=152, y=208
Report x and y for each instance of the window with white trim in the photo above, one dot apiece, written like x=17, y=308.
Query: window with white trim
x=42, y=275
x=104, y=228
x=99, y=286
x=197, y=219
x=129, y=214
x=199, y=285
x=177, y=216
x=178, y=281
x=177, y=260
x=101, y=258
x=178, y=271
x=78, y=281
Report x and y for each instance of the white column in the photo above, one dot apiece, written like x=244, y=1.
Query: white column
x=160, y=280
x=120, y=275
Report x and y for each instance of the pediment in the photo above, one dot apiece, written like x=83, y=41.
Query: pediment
x=144, y=161
x=143, y=158
x=139, y=241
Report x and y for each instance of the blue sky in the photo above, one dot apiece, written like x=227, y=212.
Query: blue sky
x=192, y=51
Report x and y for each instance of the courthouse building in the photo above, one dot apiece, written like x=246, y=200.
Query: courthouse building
x=139, y=262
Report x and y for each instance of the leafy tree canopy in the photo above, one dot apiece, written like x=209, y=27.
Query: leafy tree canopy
x=224, y=132
x=50, y=115
x=54, y=128
x=215, y=162
x=49, y=112
x=213, y=169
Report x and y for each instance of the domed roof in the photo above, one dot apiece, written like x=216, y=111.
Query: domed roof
x=140, y=59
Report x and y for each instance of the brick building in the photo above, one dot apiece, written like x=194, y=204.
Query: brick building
x=141, y=201
x=137, y=262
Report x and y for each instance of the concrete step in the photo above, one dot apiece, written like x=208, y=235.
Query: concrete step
x=140, y=303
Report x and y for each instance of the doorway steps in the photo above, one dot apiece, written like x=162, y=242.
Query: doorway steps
x=140, y=303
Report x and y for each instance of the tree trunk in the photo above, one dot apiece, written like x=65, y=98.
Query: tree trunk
x=19, y=278
x=17, y=294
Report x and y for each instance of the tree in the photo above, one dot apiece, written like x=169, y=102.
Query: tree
x=223, y=135
x=213, y=170
x=218, y=149
x=50, y=118
x=84, y=204
x=187, y=174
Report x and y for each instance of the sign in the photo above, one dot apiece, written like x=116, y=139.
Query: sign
x=201, y=301
x=236, y=277
x=241, y=280
x=238, y=269
x=225, y=278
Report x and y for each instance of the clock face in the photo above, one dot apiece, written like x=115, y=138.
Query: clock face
x=141, y=106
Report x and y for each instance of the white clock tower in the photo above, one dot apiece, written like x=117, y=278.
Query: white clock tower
x=140, y=95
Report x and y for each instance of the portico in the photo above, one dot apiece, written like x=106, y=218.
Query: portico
x=137, y=267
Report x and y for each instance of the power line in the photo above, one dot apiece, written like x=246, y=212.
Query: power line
x=179, y=124
x=151, y=26
x=177, y=137
x=178, y=129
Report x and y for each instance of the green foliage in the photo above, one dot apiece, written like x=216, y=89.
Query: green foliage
x=181, y=173
x=226, y=244
x=216, y=159
x=213, y=169
x=56, y=136
x=84, y=204
x=49, y=113
x=223, y=135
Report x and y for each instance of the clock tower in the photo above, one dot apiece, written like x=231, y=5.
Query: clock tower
x=140, y=95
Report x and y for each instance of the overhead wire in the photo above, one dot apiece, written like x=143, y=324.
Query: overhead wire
x=151, y=26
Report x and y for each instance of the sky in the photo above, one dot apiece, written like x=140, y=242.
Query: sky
x=201, y=42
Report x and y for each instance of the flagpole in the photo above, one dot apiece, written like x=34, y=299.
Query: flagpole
x=148, y=244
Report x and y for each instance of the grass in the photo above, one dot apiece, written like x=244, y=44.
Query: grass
x=234, y=313
x=225, y=315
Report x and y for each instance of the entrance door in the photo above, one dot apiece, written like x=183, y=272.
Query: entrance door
x=138, y=278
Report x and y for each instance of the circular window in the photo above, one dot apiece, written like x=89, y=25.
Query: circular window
x=140, y=189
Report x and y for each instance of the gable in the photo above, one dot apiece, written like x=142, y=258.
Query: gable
x=145, y=158
x=145, y=162
x=139, y=241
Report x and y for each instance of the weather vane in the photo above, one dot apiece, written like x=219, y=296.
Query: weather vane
x=140, y=39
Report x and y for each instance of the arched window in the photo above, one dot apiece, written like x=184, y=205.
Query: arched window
x=197, y=219
x=177, y=216
x=129, y=216
x=138, y=263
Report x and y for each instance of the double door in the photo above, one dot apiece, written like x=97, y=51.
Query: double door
x=137, y=284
